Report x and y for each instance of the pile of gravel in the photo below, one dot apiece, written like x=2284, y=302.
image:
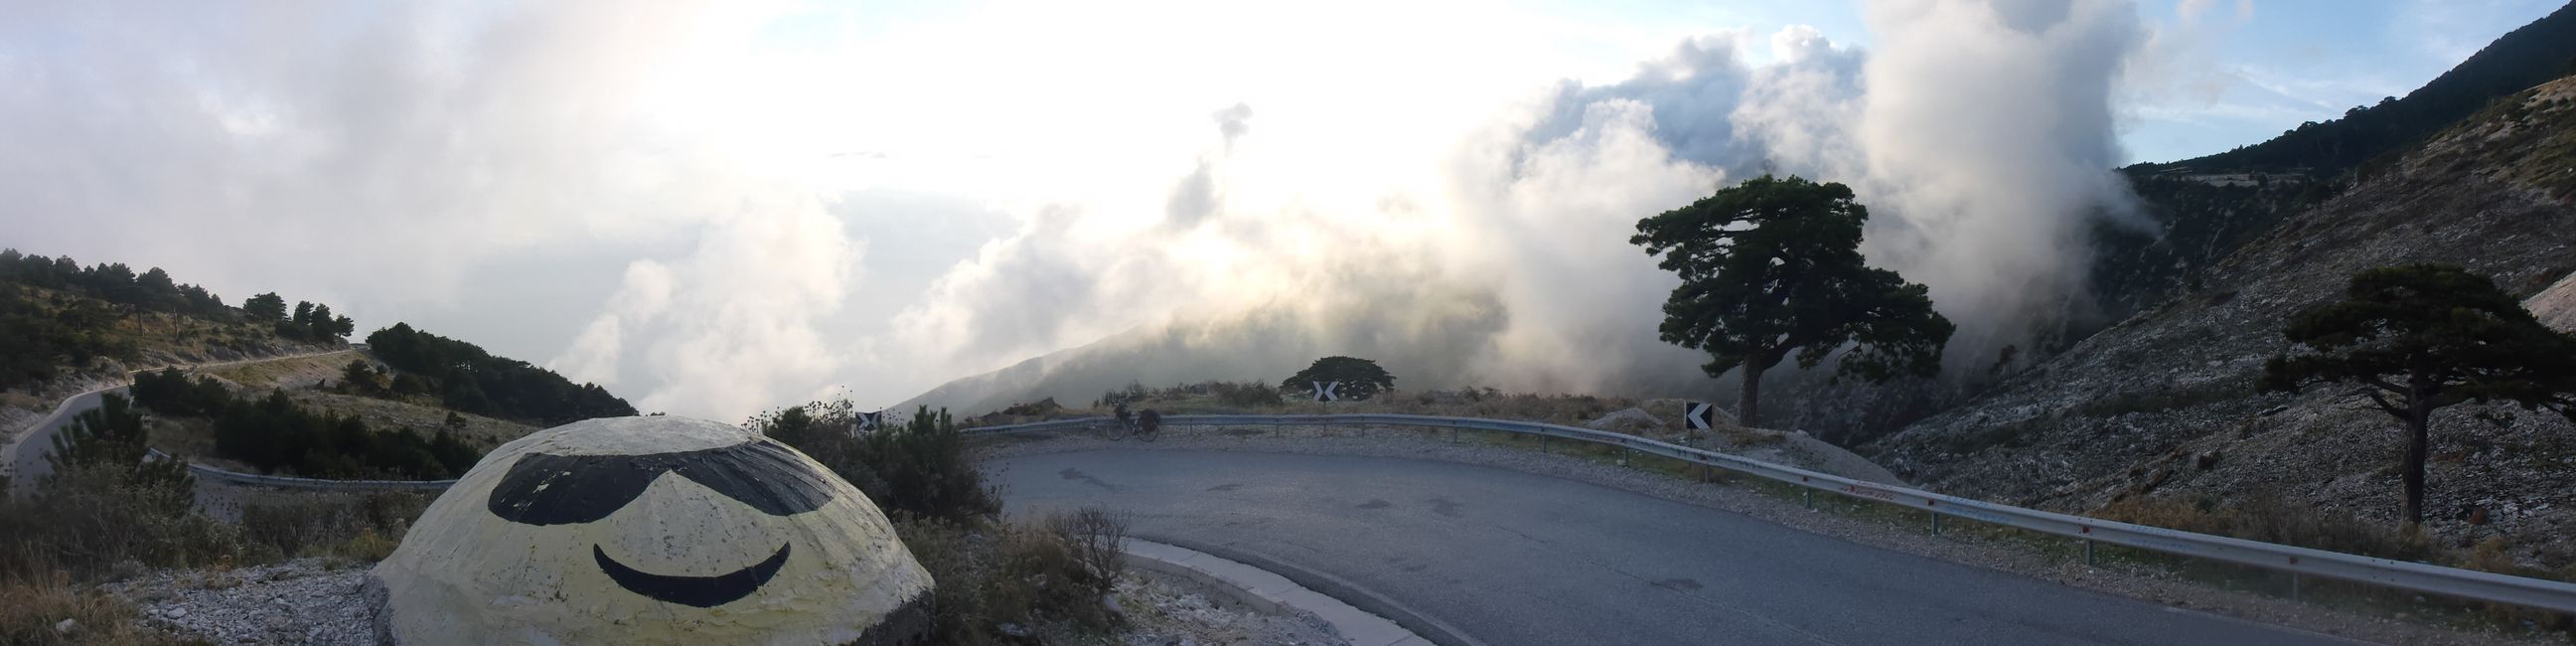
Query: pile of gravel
x=305, y=601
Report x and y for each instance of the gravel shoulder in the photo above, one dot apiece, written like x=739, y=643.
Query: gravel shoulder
x=2055, y=561
x=1164, y=610
x=318, y=601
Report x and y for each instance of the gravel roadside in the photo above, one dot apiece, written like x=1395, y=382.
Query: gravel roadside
x=2138, y=581
x=317, y=602
x=1163, y=610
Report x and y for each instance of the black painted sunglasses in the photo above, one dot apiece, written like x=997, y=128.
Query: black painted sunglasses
x=544, y=489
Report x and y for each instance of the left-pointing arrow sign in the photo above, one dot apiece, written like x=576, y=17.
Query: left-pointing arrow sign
x=1324, y=391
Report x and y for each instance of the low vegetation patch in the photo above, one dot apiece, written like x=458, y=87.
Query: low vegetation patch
x=919, y=467
x=276, y=435
x=353, y=527
x=56, y=611
x=2270, y=520
x=103, y=512
x=1027, y=581
x=2159, y=401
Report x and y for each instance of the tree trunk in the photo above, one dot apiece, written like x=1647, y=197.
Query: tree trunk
x=2416, y=445
x=1748, y=408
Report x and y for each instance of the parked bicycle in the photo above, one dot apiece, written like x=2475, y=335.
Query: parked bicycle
x=1147, y=426
x=1121, y=423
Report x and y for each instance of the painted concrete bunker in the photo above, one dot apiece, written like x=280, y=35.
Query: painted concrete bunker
x=649, y=530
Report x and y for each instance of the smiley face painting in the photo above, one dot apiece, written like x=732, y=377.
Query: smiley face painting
x=642, y=530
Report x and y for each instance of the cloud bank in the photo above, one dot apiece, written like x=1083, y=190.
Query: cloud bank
x=377, y=158
x=1981, y=134
x=713, y=208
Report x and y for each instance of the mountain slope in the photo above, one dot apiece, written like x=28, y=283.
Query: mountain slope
x=2163, y=404
x=2530, y=55
x=2205, y=207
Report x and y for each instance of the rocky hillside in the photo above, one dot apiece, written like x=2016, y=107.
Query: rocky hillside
x=2163, y=404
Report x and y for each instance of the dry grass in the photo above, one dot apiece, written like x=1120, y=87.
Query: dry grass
x=32, y=611
x=357, y=527
x=163, y=338
x=88, y=524
x=87, y=527
x=19, y=400
x=291, y=373
x=424, y=416
x=2269, y=520
x=194, y=438
x=1031, y=581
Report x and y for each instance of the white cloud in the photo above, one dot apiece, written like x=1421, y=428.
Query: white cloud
x=1982, y=138
x=373, y=157
x=663, y=178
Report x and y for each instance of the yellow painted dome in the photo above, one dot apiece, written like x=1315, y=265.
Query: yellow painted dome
x=648, y=530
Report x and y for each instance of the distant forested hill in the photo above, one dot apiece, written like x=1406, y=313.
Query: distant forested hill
x=469, y=379
x=60, y=318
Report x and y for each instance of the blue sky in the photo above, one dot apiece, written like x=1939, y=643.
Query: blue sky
x=2276, y=64
x=2249, y=70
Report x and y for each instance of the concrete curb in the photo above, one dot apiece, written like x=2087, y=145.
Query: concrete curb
x=1267, y=592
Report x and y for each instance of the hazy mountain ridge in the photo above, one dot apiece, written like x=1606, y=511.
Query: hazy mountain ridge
x=2164, y=402
x=1431, y=345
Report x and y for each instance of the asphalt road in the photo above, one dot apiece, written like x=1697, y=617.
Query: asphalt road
x=26, y=458
x=1510, y=558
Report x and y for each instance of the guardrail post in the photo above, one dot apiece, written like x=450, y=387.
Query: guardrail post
x=1936, y=521
x=1810, y=496
x=2088, y=552
x=2294, y=586
x=1542, y=444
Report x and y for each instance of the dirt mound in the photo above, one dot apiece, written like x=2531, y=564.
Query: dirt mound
x=1633, y=421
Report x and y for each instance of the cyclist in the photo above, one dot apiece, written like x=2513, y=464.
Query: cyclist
x=1147, y=422
x=1123, y=417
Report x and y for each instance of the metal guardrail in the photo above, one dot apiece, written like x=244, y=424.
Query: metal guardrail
x=2417, y=577
x=313, y=484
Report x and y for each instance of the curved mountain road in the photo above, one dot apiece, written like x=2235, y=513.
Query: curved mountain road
x=1510, y=558
x=23, y=458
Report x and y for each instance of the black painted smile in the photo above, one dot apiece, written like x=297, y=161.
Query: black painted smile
x=700, y=591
